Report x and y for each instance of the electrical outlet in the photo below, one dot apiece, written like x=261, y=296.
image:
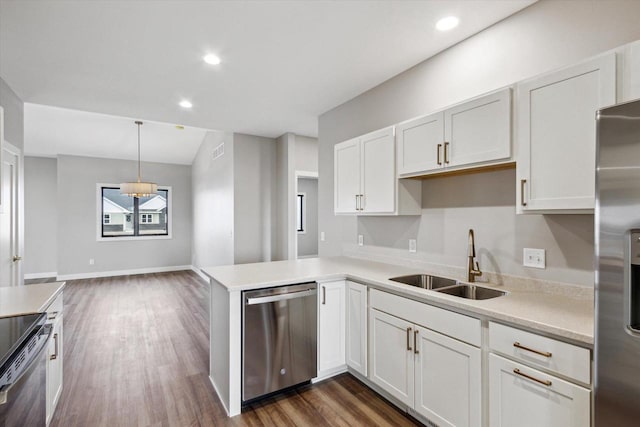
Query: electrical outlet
x=322, y=236
x=360, y=240
x=534, y=258
x=412, y=245
x=91, y=261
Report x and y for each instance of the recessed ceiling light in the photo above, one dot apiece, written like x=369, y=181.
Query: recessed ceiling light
x=448, y=23
x=185, y=104
x=211, y=59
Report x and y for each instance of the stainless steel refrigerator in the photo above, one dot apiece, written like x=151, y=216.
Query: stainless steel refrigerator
x=617, y=234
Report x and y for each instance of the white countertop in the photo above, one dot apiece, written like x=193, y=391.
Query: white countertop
x=555, y=313
x=28, y=299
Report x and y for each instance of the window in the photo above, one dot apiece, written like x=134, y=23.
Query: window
x=125, y=216
x=301, y=212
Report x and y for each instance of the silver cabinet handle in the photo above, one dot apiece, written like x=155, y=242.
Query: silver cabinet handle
x=446, y=153
x=409, y=339
x=17, y=258
x=438, y=153
x=54, y=356
x=522, y=183
x=362, y=202
x=281, y=297
x=415, y=342
x=532, y=350
x=324, y=295
x=357, y=203
x=529, y=377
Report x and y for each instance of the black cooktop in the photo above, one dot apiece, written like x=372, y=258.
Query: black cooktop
x=14, y=331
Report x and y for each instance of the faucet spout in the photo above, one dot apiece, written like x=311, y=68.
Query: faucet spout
x=473, y=270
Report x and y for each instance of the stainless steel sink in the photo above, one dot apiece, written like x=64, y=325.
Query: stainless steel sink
x=425, y=281
x=472, y=292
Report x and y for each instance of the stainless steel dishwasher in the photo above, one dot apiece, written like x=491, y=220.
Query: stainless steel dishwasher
x=279, y=334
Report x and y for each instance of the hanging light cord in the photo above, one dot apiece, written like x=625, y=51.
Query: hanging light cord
x=139, y=167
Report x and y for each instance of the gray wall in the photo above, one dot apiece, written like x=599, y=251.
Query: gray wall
x=13, y=115
x=542, y=37
x=41, y=216
x=212, y=186
x=77, y=204
x=308, y=241
x=306, y=155
x=255, y=198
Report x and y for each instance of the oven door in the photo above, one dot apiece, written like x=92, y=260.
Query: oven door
x=23, y=402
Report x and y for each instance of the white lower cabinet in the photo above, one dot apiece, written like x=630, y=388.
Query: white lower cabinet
x=525, y=397
x=392, y=361
x=356, y=340
x=331, y=327
x=438, y=376
x=448, y=380
x=54, y=358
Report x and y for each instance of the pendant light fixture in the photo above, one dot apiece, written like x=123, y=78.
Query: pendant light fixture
x=139, y=188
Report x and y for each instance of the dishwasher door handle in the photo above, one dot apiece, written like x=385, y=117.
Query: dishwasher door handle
x=281, y=297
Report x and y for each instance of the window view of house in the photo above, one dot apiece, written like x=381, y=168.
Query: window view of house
x=301, y=213
x=123, y=215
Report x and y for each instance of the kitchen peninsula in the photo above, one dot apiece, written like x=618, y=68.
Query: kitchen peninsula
x=549, y=315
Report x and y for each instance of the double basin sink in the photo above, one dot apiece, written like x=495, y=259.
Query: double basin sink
x=449, y=286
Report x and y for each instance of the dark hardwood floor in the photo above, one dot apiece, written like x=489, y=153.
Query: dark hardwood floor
x=136, y=353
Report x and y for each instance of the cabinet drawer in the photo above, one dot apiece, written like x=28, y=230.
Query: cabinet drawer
x=459, y=326
x=55, y=309
x=524, y=397
x=557, y=356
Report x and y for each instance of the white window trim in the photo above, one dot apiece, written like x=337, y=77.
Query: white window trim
x=304, y=212
x=99, y=237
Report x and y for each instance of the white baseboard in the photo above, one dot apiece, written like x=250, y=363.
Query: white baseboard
x=307, y=256
x=200, y=273
x=30, y=276
x=220, y=397
x=114, y=273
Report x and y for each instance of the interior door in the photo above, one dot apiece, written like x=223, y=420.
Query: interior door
x=10, y=266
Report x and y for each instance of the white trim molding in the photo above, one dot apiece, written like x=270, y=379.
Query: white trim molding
x=114, y=273
x=31, y=276
x=200, y=273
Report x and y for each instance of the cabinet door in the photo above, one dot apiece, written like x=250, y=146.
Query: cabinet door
x=557, y=135
x=478, y=131
x=420, y=144
x=346, y=176
x=534, y=399
x=357, y=327
x=54, y=368
x=331, y=324
x=448, y=389
x=378, y=172
x=391, y=354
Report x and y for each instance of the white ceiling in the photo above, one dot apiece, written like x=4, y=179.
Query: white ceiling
x=52, y=130
x=284, y=62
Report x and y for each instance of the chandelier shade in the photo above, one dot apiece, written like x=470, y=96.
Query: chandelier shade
x=139, y=188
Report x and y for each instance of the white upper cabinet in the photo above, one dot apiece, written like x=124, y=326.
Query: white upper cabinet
x=347, y=176
x=556, y=134
x=420, y=144
x=474, y=133
x=478, y=131
x=378, y=176
x=365, y=181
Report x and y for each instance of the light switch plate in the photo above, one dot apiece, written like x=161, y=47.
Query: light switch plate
x=412, y=246
x=360, y=240
x=534, y=258
x=322, y=236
